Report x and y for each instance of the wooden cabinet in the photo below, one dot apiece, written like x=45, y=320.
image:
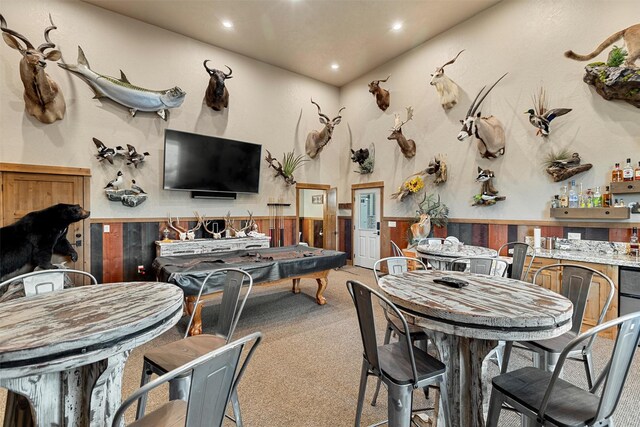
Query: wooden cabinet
x=552, y=279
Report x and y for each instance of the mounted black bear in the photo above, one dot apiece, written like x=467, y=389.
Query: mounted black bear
x=35, y=237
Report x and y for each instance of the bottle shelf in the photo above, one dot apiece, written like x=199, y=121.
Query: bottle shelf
x=590, y=213
x=624, y=187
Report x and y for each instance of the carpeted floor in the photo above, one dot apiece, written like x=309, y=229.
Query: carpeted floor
x=307, y=369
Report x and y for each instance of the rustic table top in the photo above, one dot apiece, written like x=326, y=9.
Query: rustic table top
x=455, y=250
x=490, y=307
x=74, y=324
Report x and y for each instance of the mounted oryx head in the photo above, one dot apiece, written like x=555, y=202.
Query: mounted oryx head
x=488, y=130
x=316, y=140
x=407, y=146
x=217, y=95
x=42, y=96
x=382, y=95
x=447, y=89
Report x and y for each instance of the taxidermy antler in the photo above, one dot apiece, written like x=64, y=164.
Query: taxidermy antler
x=217, y=95
x=488, y=130
x=215, y=235
x=382, y=95
x=251, y=225
x=407, y=146
x=447, y=89
x=540, y=116
x=228, y=225
x=182, y=232
x=316, y=140
x=42, y=96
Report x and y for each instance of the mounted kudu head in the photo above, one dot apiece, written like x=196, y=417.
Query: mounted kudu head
x=382, y=95
x=316, y=140
x=42, y=96
x=217, y=95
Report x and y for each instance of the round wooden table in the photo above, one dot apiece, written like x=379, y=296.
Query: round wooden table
x=465, y=325
x=65, y=351
x=439, y=255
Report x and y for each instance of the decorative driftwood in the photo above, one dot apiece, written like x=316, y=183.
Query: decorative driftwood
x=560, y=173
x=614, y=82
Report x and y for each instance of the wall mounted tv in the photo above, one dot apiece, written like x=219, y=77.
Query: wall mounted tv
x=207, y=165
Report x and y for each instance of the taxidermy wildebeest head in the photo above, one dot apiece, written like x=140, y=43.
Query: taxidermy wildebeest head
x=382, y=95
x=488, y=130
x=447, y=88
x=316, y=140
x=42, y=96
x=217, y=95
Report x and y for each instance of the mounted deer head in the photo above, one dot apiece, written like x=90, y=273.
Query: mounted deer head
x=217, y=95
x=42, y=96
x=447, y=89
x=382, y=95
x=316, y=140
x=407, y=146
x=488, y=130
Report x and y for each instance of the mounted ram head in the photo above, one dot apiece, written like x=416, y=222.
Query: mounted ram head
x=407, y=146
x=487, y=130
x=382, y=95
x=316, y=140
x=447, y=89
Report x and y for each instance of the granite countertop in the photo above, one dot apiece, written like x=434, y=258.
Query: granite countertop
x=598, y=258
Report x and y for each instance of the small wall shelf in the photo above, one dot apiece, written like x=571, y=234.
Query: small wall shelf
x=590, y=213
x=625, y=187
x=344, y=205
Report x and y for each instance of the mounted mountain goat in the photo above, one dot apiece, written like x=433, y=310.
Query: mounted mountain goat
x=382, y=95
x=217, y=95
x=42, y=96
x=447, y=88
x=407, y=146
x=488, y=130
x=316, y=140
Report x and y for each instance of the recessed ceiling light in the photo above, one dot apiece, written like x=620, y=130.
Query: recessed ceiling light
x=227, y=24
x=397, y=26
x=335, y=66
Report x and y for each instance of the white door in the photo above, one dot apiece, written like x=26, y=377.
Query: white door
x=367, y=227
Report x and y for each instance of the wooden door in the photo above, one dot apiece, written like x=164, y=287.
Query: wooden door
x=27, y=188
x=331, y=219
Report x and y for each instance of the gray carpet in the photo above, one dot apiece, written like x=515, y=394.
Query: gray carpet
x=306, y=371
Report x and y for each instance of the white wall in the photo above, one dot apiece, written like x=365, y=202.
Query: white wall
x=526, y=38
x=307, y=208
x=268, y=106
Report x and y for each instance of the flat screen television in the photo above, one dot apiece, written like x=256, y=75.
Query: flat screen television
x=205, y=163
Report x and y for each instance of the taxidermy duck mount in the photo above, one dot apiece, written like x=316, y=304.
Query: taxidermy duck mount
x=290, y=162
x=564, y=164
x=124, y=93
x=619, y=77
x=488, y=194
x=108, y=153
x=365, y=158
x=540, y=116
x=130, y=197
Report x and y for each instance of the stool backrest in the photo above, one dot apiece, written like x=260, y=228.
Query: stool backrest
x=43, y=281
x=480, y=265
x=396, y=265
x=520, y=252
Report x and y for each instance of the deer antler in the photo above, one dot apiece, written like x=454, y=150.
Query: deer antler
x=398, y=123
x=198, y=225
x=450, y=62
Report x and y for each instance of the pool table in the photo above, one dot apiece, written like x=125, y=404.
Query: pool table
x=268, y=265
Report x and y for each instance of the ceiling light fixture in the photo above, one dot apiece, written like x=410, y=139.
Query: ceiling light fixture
x=334, y=66
x=397, y=26
x=227, y=24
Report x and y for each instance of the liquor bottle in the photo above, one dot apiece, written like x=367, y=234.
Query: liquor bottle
x=606, y=198
x=573, y=197
x=589, y=198
x=616, y=174
x=564, y=198
x=616, y=203
x=621, y=204
x=637, y=173
x=627, y=172
x=582, y=202
x=634, y=247
x=597, y=198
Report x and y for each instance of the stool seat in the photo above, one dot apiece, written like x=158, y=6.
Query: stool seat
x=171, y=414
x=175, y=354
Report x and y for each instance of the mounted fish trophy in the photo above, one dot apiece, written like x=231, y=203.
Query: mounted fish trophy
x=316, y=140
x=488, y=194
x=540, y=116
x=407, y=146
x=447, y=89
x=217, y=95
x=123, y=92
x=487, y=130
x=365, y=158
x=382, y=95
x=42, y=97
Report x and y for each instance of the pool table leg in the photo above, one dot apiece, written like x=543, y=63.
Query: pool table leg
x=322, y=285
x=196, y=325
x=296, y=286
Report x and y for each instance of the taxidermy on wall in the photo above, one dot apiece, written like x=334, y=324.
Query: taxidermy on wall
x=42, y=97
x=290, y=162
x=123, y=92
x=488, y=194
x=487, y=130
x=217, y=95
x=107, y=153
x=438, y=167
x=564, y=164
x=407, y=146
x=365, y=158
x=382, y=95
x=185, y=233
x=316, y=140
x=133, y=157
x=540, y=116
x=631, y=37
x=447, y=89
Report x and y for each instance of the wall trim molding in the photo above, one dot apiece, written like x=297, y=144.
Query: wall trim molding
x=123, y=220
x=49, y=170
x=549, y=223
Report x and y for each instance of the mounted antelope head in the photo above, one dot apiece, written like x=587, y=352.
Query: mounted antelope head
x=407, y=146
x=316, y=140
x=42, y=96
x=217, y=95
x=447, y=89
x=382, y=95
x=488, y=130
